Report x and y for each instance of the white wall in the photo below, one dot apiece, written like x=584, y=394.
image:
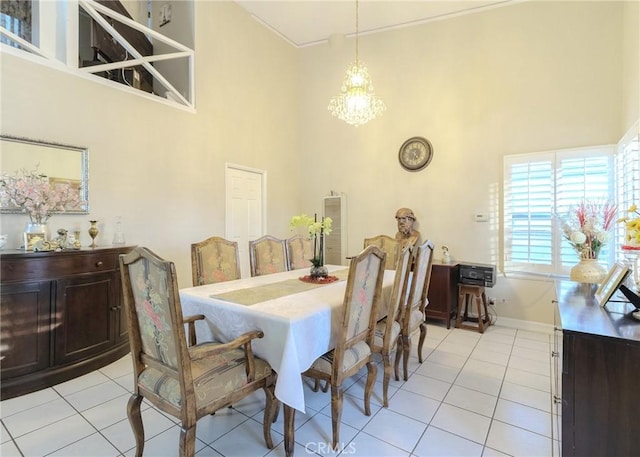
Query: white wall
x=162, y=168
x=631, y=65
x=528, y=77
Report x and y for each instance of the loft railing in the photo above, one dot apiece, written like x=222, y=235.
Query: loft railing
x=47, y=15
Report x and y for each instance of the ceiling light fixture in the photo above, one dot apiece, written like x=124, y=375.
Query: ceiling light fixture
x=356, y=104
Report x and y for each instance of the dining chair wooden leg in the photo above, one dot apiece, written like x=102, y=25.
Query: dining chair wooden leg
x=337, y=395
x=406, y=348
x=270, y=412
x=135, y=419
x=386, y=379
x=423, y=336
x=372, y=371
x=187, y=440
x=289, y=438
x=396, y=364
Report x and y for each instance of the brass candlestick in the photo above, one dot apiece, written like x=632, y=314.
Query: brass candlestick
x=93, y=232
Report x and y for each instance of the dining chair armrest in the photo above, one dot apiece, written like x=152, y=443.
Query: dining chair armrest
x=210, y=349
x=191, y=322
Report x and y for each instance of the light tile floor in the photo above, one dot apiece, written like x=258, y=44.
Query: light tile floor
x=474, y=395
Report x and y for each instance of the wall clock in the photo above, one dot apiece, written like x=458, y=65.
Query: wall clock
x=415, y=153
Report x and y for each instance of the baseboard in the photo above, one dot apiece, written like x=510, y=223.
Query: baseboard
x=524, y=325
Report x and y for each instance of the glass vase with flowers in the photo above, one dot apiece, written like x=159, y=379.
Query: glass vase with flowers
x=586, y=228
x=631, y=223
x=317, y=230
x=33, y=193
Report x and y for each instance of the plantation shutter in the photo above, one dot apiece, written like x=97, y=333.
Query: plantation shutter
x=627, y=172
x=528, y=203
x=539, y=186
x=582, y=175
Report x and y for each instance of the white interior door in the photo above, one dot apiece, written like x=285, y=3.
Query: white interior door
x=245, y=209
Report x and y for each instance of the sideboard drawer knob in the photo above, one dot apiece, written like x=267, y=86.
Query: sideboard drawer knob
x=99, y=263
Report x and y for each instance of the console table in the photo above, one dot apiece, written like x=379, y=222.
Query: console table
x=597, y=373
x=61, y=316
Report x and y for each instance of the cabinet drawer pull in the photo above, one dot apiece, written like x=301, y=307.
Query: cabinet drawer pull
x=115, y=308
x=99, y=263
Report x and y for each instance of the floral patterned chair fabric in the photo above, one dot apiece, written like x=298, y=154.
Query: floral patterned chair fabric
x=214, y=260
x=412, y=312
x=389, y=245
x=300, y=251
x=186, y=382
x=268, y=255
x=387, y=333
x=355, y=336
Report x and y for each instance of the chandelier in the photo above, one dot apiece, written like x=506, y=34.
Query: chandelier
x=356, y=104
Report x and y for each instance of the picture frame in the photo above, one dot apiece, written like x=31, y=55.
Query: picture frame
x=31, y=238
x=612, y=281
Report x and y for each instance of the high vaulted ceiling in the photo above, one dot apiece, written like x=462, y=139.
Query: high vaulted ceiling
x=306, y=23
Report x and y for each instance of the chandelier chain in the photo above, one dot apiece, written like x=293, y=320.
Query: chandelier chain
x=356, y=32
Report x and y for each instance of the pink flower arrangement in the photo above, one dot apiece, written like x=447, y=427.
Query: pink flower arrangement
x=587, y=226
x=35, y=195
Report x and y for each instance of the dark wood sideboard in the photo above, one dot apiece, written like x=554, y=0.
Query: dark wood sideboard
x=443, y=292
x=61, y=316
x=597, y=374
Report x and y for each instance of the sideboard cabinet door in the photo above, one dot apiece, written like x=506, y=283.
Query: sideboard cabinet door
x=86, y=313
x=25, y=328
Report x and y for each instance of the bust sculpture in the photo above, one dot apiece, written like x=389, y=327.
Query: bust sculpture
x=406, y=233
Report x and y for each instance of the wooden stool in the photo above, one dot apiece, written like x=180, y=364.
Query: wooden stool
x=466, y=293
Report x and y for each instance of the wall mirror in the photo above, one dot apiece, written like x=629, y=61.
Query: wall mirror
x=60, y=163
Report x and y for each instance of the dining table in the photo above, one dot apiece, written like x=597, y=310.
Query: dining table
x=299, y=318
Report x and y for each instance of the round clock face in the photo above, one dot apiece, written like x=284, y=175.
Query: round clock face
x=415, y=153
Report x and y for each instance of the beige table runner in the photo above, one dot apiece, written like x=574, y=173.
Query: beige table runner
x=259, y=294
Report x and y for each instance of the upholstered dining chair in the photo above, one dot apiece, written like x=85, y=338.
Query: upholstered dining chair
x=299, y=252
x=387, y=334
x=412, y=311
x=185, y=382
x=214, y=260
x=355, y=335
x=267, y=255
x=389, y=245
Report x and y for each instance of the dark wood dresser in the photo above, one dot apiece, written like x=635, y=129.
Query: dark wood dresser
x=62, y=316
x=597, y=374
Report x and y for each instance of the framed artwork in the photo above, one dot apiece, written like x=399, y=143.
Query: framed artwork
x=30, y=239
x=614, y=278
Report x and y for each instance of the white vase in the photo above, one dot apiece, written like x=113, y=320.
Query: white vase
x=589, y=271
x=32, y=227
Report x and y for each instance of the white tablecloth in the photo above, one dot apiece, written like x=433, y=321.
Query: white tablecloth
x=298, y=328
